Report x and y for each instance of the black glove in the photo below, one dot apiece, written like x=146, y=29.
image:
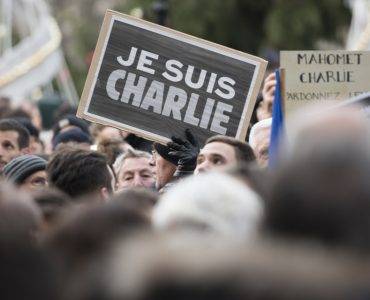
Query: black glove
x=186, y=151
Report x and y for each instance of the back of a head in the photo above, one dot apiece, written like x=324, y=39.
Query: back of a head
x=215, y=201
x=325, y=198
x=141, y=199
x=187, y=267
x=26, y=273
x=319, y=131
x=86, y=233
x=52, y=203
x=79, y=172
x=243, y=151
x=321, y=191
x=19, y=217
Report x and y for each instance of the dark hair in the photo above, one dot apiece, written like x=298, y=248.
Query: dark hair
x=243, y=152
x=52, y=203
x=13, y=125
x=29, y=126
x=141, y=199
x=79, y=172
x=324, y=198
x=252, y=175
x=17, y=113
x=78, y=240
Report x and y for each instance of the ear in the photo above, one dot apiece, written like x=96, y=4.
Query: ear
x=104, y=194
x=26, y=150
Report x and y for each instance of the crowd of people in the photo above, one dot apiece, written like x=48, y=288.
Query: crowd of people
x=90, y=212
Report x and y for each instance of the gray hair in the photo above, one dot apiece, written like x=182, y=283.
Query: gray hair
x=131, y=153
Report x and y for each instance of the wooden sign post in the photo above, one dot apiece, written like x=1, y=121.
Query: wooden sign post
x=156, y=82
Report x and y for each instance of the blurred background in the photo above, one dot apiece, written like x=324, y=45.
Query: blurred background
x=258, y=27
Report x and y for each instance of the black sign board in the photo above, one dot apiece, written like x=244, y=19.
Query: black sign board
x=156, y=82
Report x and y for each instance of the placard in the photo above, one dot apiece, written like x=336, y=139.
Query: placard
x=156, y=82
x=313, y=77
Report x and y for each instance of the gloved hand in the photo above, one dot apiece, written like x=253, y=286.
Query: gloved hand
x=186, y=151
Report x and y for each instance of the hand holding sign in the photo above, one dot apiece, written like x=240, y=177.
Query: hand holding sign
x=185, y=150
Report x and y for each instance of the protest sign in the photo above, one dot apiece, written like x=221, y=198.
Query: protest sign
x=156, y=82
x=362, y=101
x=313, y=77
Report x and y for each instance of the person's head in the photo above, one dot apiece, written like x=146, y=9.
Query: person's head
x=322, y=198
x=52, y=203
x=72, y=136
x=14, y=141
x=27, y=171
x=214, y=202
x=36, y=145
x=87, y=232
x=141, y=199
x=259, y=140
x=165, y=165
x=180, y=266
x=222, y=151
x=70, y=122
x=133, y=169
x=112, y=148
x=80, y=172
x=20, y=218
x=101, y=132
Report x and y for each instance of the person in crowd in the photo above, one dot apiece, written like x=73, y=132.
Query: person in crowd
x=133, y=169
x=20, y=218
x=321, y=191
x=264, y=110
x=256, y=178
x=79, y=172
x=53, y=204
x=165, y=165
x=68, y=122
x=112, y=148
x=215, y=203
x=72, y=136
x=27, y=172
x=102, y=132
x=142, y=199
x=27, y=272
x=183, y=266
x=14, y=141
x=79, y=244
x=220, y=152
x=259, y=140
x=36, y=145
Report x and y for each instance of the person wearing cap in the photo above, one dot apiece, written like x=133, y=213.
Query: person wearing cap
x=27, y=172
x=175, y=160
x=165, y=165
x=72, y=136
x=70, y=122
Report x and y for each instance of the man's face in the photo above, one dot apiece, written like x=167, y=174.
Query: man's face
x=164, y=170
x=136, y=172
x=261, y=148
x=36, y=181
x=9, y=147
x=35, y=146
x=215, y=156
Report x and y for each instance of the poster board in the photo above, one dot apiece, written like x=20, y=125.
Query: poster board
x=156, y=82
x=314, y=77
